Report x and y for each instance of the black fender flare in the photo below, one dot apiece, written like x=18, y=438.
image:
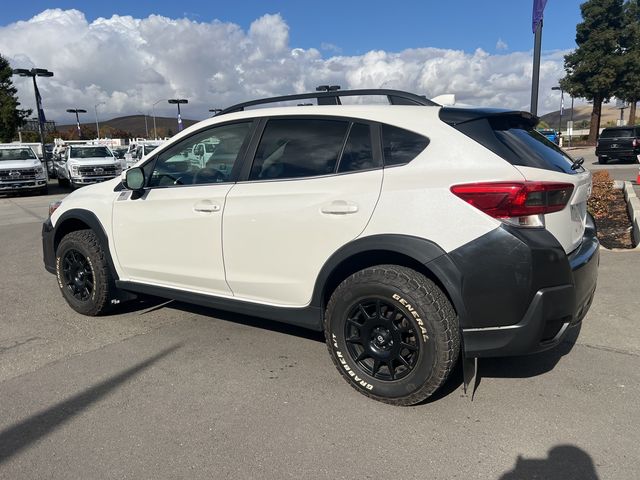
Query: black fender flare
x=427, y=253
x=91, y=220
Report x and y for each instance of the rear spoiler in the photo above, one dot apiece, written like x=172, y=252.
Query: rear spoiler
x=457, y=116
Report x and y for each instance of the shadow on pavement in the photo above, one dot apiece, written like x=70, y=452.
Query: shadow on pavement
x=565, y=462
x=250, y=321
x=21, y=435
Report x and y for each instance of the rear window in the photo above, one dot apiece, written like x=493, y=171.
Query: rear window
x=618, y=133
x=529, y=148
x=515, y=140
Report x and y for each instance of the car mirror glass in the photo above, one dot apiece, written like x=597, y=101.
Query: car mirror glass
x=134, y=179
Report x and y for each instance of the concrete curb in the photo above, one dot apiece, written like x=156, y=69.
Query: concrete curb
x=633, y=207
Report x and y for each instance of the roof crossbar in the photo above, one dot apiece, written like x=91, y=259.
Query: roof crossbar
x=395, y=97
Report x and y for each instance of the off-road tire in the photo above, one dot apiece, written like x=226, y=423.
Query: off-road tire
x=422, y=308
x=83, y=244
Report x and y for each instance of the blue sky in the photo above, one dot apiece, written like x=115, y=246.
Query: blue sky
x=126, y=56
x=355, y=27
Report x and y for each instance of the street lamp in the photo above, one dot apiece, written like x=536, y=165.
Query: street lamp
x=153, y=109
x=95, y=107
x=146, y=129
x=561, y=106
x=77, y=111
x=215, y=111
x=33, y=73
x=178, y=101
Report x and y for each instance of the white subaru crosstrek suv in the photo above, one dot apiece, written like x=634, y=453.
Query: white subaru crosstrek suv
x=411, y=234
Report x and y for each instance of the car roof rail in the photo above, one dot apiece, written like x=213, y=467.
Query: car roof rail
x=395, y=97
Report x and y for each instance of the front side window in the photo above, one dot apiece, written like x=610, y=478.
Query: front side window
x=293, y=148
x=206, y=157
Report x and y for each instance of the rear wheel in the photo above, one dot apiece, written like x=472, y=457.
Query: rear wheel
x=392, y=334
x=83, y=275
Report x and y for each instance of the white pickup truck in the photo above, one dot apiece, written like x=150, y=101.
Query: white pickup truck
x=21, y=170
x=86, y=164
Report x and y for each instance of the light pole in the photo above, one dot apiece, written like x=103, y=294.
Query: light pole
x=146, y=128
x=571, y=120
x=77, y=111
x=561, y=106
x=178, y=101
x=33, y=73
x=215, y=111
x=95, y=107
x=153, y=109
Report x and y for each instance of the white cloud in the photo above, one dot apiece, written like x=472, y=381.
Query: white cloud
x=501, y=45
x=131, y=63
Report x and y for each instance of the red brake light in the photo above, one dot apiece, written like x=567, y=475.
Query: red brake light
x=515, y=199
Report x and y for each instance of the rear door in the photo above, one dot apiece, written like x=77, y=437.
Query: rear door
x=312, y=187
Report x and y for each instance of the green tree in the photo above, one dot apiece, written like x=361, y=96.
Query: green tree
x=11, y=117
x=629, y=88
x=593, y=68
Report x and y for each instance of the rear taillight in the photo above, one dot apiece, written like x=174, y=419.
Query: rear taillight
x=517, y=203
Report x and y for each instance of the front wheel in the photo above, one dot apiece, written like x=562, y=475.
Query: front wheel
x=392, y=334
x=602, y=160
x=83, y=275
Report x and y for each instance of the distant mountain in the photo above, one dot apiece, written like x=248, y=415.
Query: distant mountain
x=583, y=113
x=134, y=125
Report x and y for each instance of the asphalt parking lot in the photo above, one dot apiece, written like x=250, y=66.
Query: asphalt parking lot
x=175, y=391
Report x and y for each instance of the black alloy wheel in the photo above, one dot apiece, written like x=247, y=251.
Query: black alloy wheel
x=381, y=339
x=78, y=275
x=83, y=273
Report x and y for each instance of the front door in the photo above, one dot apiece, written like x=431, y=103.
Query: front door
x=172, y=234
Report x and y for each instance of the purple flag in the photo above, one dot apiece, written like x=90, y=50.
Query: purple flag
x=538, y=10
x=179, y=123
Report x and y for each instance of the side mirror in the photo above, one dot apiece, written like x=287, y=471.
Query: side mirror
x=134, y=179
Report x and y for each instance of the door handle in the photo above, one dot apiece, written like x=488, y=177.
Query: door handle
x=339, y=207
x=206, y=206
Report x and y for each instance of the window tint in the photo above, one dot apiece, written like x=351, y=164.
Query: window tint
x=401, y=146
x=358, y=154
x=191, y=162
x=529, y=148
x=292, y=148
x=617, y=133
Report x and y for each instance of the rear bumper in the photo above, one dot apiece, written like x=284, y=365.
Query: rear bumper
x=561, y=292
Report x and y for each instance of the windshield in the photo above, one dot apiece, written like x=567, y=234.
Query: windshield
x=617, y=133
x=89, y=152
x=149, y=148
x=17, y=154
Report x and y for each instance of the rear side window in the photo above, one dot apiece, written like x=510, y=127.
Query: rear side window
x=401, y=146
x=618, y=133
x=291, y=148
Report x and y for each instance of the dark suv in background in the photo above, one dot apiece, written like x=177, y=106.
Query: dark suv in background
x=622, y=143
